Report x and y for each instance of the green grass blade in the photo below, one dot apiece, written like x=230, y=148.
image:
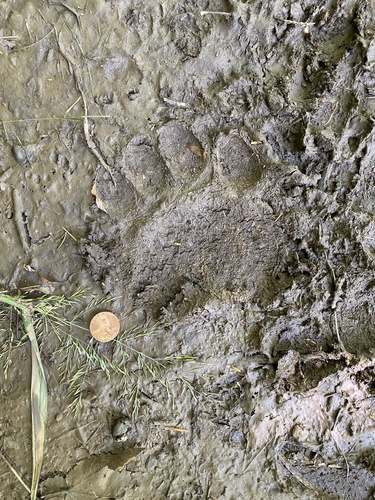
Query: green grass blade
x=38, y=404
x=38, y=390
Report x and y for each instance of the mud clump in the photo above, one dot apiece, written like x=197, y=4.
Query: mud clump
x=185, y=34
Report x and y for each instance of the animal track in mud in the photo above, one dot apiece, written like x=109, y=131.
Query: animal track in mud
x=188, y=235
x=269, y=239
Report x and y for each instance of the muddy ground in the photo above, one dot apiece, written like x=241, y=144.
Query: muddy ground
x=232, y=158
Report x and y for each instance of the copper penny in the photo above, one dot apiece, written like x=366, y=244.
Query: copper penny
x=104, y=326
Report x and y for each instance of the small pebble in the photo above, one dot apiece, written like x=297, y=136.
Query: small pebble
x=20, y=154
x=121, y=429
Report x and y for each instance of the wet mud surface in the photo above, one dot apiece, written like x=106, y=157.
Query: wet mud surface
x=210, y=164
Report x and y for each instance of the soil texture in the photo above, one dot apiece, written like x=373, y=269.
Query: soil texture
x=210, y=165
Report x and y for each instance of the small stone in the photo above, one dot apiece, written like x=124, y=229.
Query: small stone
x=121, y=429
x=20, y=154
x=238, y=439
x=24, y=154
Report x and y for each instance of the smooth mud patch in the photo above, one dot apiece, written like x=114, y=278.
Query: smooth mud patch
x=232, y=155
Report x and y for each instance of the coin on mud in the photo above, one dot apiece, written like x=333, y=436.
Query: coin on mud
x=104, y=326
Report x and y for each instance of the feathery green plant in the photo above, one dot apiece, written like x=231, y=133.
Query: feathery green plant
x=55, y=325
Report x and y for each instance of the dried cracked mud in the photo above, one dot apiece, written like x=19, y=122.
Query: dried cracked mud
x=210, y=164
